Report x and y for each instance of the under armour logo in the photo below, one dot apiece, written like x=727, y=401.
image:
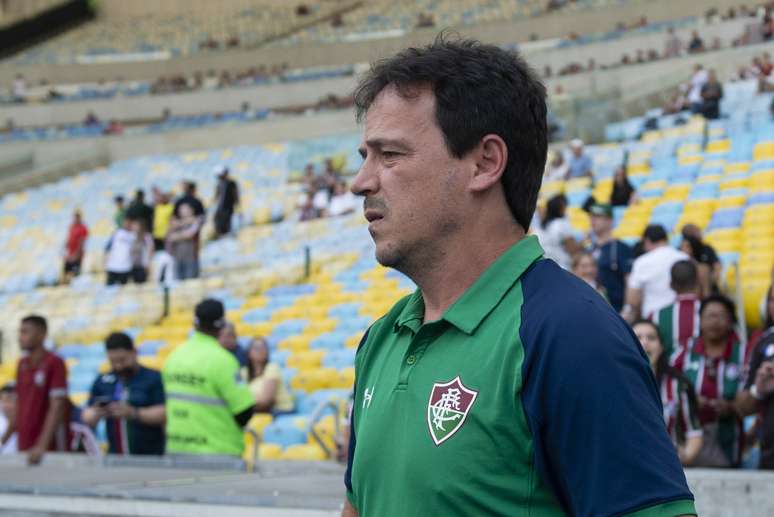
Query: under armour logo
x=367, y=397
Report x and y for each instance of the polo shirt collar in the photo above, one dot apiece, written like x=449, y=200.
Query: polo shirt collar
x=479, y=299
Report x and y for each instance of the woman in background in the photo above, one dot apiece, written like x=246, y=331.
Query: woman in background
x=265, y=380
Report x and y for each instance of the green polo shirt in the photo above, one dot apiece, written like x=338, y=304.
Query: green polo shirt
x=530, y=396
x=204, y=392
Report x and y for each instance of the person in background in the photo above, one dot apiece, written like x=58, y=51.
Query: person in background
x=76, y=241
x=189, y=198
x=228, y=340
x=678, y=398
x=556, y=235
x=118, y=254
x=8, y=417
x=558, y=168
x=162, y=213
x=120, y=212
x=713, y=363
x=613, y=257
x=711, y=94
x=182, y=243
x=707, y=255
x=758, y=394
x=679, y=322
x=266, y=383
x=141, y=252
x=623, y=191
x=342, y=202
x=692, y=247
x=226, y=201
x=42, y=406
x=307, y=210
x=139, y=210
x=698, y=79
x=207, y=404
x=585, y=267
x=696, y=44
x=580, y=163
x=648, y=288
x=130, y=398
x=674, y=45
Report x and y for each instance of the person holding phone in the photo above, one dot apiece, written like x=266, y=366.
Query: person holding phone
x=131, y=399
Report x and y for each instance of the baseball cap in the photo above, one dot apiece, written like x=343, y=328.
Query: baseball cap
x=220, y=170
x=209, y=313
x=602, y=209
x=576, y=142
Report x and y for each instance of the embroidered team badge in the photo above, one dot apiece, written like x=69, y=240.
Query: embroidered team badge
x=448, y=408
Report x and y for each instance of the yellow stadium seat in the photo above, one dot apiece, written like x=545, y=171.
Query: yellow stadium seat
x=733, y=183
x=354, y=340
x=718, y=146
x=731, y=201
x=313, y=380
x=689, y=159
x=305, y=359
x=298, y=342
x=304, y=452
x=736, y=167
x=269, y=451
x=345, y=379
x=258, y=422
x=763, y=151
x=152, y=362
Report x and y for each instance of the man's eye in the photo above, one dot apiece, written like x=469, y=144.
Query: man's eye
x=390, y=154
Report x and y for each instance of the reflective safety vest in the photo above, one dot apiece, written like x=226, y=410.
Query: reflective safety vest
x=204, y=392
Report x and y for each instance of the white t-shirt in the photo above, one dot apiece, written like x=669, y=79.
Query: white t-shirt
x=10, y=446
x=651, y=274
x=698, y=80
x=320, y=199
x=119, y=257
x=342, y=204
x=552, y=238
x=557, y=173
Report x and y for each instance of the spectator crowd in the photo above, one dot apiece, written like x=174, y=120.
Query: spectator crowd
x=711, y=376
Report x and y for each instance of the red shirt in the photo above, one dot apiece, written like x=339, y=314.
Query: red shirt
x=35, y=387
x=75, y=239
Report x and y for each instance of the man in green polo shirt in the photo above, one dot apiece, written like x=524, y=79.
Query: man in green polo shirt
x=207, y=404
x=504, y=385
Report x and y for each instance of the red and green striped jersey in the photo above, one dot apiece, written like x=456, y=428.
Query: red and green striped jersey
x=681, y=411
x=715, y=378
x=679, y=322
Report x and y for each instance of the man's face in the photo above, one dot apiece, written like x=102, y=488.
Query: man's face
x=30, y=336
x=715, y=322
x=414, y=188
x=122, y=362
x=600, y=224
x=228, y=337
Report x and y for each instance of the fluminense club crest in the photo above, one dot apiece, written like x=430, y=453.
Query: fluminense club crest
x=448, y=408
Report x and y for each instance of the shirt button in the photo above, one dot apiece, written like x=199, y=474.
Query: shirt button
x=411, y=359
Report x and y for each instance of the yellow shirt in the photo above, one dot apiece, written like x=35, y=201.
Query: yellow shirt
x=161, y=216
x=283, y=400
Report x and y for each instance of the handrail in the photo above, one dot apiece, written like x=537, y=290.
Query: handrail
x=316, y=416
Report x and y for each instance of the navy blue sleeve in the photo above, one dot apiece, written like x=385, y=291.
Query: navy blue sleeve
x=155, y=389
x=352, y=439
x=96, y=390
x=592, y=403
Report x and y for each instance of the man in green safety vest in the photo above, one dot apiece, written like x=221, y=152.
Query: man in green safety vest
x=207, y=403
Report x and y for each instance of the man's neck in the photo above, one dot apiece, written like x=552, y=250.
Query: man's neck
x=715, y=348
x=36, y=355
x=604, y=238
x=455, y=272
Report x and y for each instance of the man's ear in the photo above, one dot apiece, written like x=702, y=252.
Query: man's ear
x=491, y=157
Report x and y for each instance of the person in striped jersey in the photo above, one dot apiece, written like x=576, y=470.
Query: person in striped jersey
x=679, y=322
x=681, y=408
x=713, y=364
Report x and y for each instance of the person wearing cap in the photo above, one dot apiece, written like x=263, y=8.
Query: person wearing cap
x=207, y=402
x=226, y=201
x=580, y=162
x=648, y=289
x=130, y=397
x=614, y=257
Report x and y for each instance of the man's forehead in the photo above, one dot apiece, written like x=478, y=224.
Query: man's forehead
x=395, y=114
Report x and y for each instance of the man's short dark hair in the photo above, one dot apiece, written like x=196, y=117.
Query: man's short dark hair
x=119, y=341
x=685, y=276
x=654, y=233
x=479, y=90
x=37, y=321
x=725, y=301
